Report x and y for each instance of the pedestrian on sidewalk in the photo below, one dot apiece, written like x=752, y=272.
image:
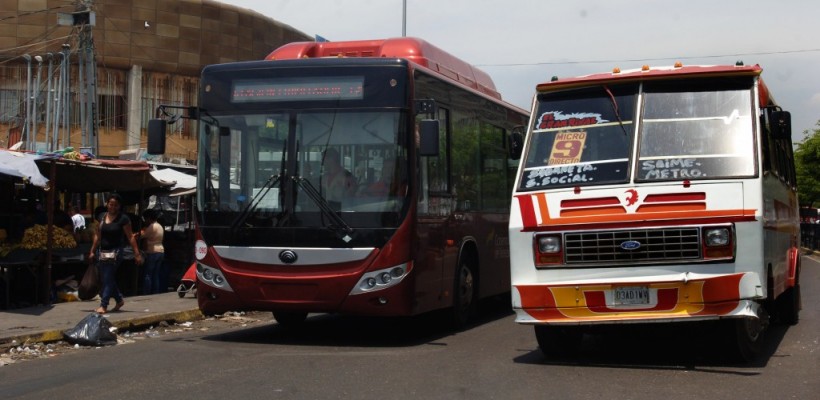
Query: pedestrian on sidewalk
x=152, y=235
x=112, y=235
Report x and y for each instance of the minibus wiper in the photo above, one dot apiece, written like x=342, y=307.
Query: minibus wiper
x=255, y=200
x=341, y=227
x=615, y=109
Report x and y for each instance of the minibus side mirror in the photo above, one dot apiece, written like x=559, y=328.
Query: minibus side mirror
x=780, y=124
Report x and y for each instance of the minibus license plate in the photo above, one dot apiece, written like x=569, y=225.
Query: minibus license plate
x=630, y=295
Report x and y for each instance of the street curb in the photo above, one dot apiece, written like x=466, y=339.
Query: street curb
x=55, y=335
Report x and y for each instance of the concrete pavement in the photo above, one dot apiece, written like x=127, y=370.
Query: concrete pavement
x=47, y=323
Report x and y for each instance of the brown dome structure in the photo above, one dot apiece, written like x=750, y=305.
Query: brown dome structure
x=146, y=53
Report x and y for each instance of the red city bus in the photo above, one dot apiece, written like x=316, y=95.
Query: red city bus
x=362, y=177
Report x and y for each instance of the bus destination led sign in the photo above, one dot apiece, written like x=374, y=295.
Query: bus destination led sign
x=298, y=89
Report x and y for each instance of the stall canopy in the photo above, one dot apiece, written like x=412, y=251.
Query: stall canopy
x=183, y=183
x=96, y=176
x=23, y=166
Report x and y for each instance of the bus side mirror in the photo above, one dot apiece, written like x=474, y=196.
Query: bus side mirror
x=156, y=136
x=516, y=142
x=780, y=124
x=428, y=137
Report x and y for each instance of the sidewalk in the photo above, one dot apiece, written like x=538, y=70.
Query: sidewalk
x=47, y=323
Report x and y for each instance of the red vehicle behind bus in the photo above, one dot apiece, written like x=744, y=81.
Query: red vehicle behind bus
x=363, y=177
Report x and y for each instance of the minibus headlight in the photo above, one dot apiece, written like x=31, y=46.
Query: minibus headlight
x=549, y=244
x=548, y=250
x=716, y=237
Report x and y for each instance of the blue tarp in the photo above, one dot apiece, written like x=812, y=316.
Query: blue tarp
x=23, y=166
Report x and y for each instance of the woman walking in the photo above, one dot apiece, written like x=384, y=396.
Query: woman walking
x=112, y=234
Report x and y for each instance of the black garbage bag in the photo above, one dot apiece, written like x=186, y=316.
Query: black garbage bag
x=93, y=330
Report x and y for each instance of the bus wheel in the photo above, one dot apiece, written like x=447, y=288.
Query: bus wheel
x=558, y=340
x=287, y=319
x=464, y=295
x=747, y=335
x=788, y=306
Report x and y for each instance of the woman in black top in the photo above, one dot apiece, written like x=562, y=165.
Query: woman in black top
x=113, y=233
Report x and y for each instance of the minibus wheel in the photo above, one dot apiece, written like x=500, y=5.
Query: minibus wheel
x=790, y=303
x=747, y=335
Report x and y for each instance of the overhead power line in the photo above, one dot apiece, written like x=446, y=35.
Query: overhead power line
x=611, y=61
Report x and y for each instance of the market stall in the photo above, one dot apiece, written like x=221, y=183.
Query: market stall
x=20, y=268
x=21, y=171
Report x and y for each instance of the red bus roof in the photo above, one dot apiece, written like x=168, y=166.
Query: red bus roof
x=651, y=73
x=415, y=50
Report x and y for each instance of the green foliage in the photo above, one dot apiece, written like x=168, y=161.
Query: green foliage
x=807, y=167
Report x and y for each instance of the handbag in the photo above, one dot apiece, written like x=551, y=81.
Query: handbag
x=90, y=284
x=109, y=255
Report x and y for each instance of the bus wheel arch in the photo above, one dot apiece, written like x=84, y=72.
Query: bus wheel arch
x=465, y=284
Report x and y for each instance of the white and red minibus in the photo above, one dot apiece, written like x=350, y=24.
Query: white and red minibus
x=656, y=195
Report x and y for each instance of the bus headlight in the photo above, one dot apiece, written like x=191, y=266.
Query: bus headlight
x=549, y=244
x=716, y=236
x=212, y=277
x=718, y=242
x=381, y=279
x=548, y=250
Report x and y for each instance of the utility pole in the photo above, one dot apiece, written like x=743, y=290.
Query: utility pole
x=84, y=19
x=404, y=19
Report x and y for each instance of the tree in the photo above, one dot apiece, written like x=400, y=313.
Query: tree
x=807, y=167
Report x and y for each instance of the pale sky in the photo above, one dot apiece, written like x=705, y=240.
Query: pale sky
x=521, y=43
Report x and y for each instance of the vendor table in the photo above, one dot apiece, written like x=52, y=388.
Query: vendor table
x=17, y=261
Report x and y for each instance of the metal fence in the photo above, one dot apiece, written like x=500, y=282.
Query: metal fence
x=810, y=235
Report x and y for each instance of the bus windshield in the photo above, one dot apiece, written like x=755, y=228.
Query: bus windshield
x=696, y=131
x=581, y=138
x=688, y=130
x=298, y=168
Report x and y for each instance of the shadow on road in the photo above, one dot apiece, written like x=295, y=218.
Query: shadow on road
x=353, y=331
x=679, y=346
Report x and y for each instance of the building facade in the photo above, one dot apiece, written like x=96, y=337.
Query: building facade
x=145, y=53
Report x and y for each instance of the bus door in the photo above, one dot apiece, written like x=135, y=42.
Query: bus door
x=435, y=253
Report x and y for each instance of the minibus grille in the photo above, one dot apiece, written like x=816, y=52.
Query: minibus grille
x=647, y=245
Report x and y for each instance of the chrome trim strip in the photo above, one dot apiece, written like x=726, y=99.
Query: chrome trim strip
x=306, y=255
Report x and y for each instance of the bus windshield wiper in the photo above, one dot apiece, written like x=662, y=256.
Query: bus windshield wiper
x=337, y=223
x=255, y=200
x=615, y=109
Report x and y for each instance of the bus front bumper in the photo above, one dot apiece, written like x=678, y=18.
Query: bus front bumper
x=699, y=298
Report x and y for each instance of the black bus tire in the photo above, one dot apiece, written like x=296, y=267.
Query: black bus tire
x=464, y=294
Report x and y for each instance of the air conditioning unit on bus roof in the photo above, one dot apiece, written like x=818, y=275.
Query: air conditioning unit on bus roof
x=416, y=50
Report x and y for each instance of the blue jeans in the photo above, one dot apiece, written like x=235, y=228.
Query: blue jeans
x=108, y=276
x=152, y=267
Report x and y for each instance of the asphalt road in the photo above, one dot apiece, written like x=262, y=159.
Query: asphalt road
x=357, y=358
